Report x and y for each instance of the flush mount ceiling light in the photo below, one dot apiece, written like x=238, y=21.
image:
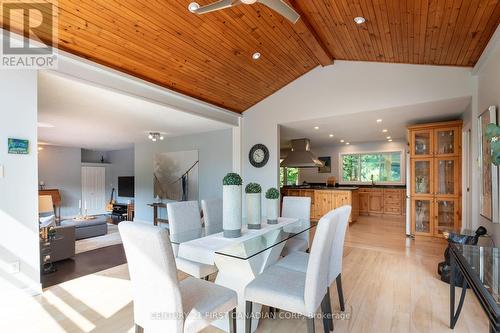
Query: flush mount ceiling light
x=359, y=20
x=331, y=135
x=316, y=127
x=193, y=7
x=379, y=121
x=154, y=136
x=384, y=131
x=256, y=56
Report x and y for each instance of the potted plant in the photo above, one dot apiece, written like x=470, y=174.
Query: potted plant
x=253, y=191
x=231, y=205
x=493, y=135
x=273, y=205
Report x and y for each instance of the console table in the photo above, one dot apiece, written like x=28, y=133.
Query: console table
x=480, y=267
x=155, y=206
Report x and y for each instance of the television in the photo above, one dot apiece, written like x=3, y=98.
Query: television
x=126, y=187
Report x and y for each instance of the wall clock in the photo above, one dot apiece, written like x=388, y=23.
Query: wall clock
x=259, y=155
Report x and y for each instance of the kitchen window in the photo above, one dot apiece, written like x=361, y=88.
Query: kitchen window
x=377, y=167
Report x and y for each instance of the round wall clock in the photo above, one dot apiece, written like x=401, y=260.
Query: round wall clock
x=259, y=155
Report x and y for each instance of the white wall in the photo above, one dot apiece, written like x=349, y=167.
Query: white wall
x=311, y=175
x=18, y=188
x=215, y=155
x=486, y=93
x=61, y=168
x=343, y=88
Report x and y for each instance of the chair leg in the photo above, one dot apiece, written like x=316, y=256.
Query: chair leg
x=232, y=321
x=138, y=329
x=310, y=325
x=248, y=317
x=326, y=314
x=341, y=294
x=329, y=307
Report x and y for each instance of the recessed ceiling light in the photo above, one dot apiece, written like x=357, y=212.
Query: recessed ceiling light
x=316, y=127
x=347, y=143
x=390, y=140
x=331, y=135
x=379, y=121
x=40, y=148
x=256, y=56
x=384, y=131
x=193, y=6
x=359, y=20
x=388, y=137
x=342, y=140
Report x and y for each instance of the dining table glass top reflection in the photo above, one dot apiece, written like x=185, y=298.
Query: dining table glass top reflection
x=251, y=242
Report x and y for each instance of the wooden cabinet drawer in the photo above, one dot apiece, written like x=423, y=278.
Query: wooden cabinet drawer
x=392, y=209
x=392, y=196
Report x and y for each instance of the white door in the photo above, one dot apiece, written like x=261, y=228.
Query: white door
x=93, y=190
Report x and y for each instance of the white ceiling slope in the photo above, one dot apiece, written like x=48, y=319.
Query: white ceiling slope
x=88, y=116
x=363, y=126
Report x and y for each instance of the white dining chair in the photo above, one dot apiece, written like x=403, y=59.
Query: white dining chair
x=299, y=260
x=294, y=291
x=299, y=208
x=184, y=216
x=161, y=302
x=212, y=214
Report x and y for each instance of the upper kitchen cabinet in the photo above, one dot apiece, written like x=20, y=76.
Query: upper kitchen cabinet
x=436, y=139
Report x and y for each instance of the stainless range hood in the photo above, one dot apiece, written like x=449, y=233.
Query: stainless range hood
x=301, y=156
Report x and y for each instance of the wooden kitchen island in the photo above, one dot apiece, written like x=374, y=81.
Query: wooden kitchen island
x=324, y=199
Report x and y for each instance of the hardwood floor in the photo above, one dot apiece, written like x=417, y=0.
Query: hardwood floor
x=85, y=263
x=390, y=285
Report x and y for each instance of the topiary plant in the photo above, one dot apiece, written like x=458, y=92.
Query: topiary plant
x=493, y=135
x=232, y=179
x=272, y=193
x=253, y=188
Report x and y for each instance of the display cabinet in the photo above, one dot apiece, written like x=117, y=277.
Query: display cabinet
x=435, y=177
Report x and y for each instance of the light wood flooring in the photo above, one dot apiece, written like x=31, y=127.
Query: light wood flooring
x=390, y=285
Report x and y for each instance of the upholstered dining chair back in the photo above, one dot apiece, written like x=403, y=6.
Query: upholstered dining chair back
x=299, y=208
x=319, y=260
x=183, y=216
x=153, y=274
x=212, y=214
x=338, y=242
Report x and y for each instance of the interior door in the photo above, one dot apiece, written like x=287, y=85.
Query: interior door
x=94, y=190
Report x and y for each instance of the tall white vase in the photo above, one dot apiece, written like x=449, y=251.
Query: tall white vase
x=231, y=211
x=273, y=207
x=254, y=213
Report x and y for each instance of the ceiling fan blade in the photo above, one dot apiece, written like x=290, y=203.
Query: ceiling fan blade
x=221, y=4
x=282, y=8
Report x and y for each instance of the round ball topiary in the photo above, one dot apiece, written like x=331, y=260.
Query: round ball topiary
x=253, y=188
x=272, y=193
x=232, y=179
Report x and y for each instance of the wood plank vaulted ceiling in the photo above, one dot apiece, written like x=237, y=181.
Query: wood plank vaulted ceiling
x=209, y=57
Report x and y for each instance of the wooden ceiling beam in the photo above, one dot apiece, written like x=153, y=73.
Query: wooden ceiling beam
x=309, y=36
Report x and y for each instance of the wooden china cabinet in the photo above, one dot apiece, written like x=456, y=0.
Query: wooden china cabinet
x=435, y=177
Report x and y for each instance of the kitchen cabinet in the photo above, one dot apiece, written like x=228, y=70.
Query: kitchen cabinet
x=325, y=200
x=382, y=201
x=435, y=177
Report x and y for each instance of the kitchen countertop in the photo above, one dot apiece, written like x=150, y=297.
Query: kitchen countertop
x=341, y=188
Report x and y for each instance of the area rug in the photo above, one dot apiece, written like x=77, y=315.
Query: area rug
x=89, y=244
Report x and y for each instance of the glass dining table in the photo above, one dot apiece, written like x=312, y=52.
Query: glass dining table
x=239, y=260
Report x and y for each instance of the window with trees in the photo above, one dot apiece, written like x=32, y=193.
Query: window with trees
x=379, y=167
